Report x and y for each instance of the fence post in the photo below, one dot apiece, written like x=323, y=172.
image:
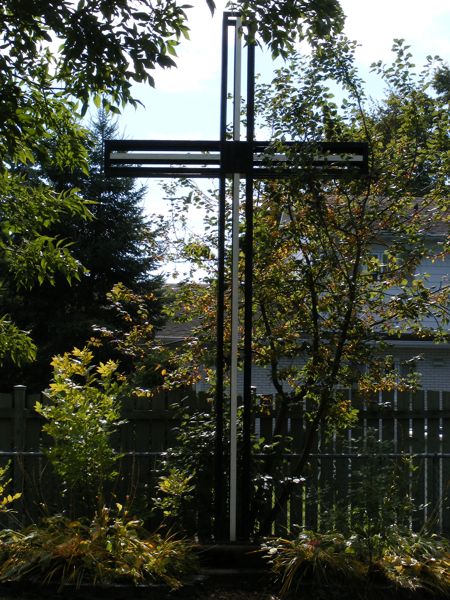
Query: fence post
x=19, y=403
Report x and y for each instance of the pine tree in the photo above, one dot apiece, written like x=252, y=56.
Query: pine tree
x=119, y=244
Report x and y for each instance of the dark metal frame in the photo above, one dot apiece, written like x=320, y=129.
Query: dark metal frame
x=206, y=159
x=223, y=158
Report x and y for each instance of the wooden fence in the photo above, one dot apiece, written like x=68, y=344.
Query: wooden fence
x=412, y=435
x=415, y=427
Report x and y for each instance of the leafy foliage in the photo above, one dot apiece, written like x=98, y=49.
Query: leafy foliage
x=111, y=549
x=174, y=493
x=279, y=24
x=192, y=455
x=6, y=499
x=132, y=340
x=189, y=462
x=82, y=413
x=27, y=252
x=365, y=544
x=59, y=56
x=15, y=344
x=105, y=46
x=379, y=495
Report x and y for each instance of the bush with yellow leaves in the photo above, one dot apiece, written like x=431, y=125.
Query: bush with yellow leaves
x=82, y=412
x=111, y=548
x=6, y=499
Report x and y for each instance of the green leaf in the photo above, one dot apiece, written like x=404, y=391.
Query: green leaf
x=211, y=5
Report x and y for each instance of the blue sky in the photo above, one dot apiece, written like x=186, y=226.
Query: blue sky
x=185, y=102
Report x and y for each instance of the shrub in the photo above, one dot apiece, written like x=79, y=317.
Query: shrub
x=110, y=548
x=174, y=492
x=82, y=413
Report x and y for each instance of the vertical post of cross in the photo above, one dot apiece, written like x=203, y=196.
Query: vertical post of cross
x=242, y=167
x=231, y=20
x=248, y=300
x=234, y=342
x=219, y=475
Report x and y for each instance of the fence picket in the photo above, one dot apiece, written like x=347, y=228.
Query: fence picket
x=19, y=404
x=310, y=505
x=445, y=436
x=403, y=422
x=433, y=449
x=418, y=447
x=297, y=495
x=387, y=417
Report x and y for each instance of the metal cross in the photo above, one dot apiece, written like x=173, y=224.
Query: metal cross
x=236, y=159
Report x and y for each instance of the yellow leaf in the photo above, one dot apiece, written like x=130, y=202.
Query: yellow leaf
x=74, y=524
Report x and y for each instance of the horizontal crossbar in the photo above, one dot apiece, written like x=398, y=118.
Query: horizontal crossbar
x=264, y=160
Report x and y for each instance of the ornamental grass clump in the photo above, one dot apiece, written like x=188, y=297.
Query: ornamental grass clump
x=418, y=562
x=112, y=548
x=331, y=565
x=314, y=560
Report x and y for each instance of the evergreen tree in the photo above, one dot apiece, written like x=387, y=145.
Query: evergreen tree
x=118, y=244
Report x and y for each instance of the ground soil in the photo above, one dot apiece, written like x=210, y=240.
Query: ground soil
x=231, y=594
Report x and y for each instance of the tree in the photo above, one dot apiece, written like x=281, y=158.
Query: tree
x=117, y=244
x=324, y=306
x=56, y=58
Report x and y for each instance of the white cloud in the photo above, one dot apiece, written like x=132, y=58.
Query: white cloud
x=424, y=26
x=199, y=57
x=374, y=25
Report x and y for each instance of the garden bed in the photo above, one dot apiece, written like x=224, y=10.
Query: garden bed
x=213, y=584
